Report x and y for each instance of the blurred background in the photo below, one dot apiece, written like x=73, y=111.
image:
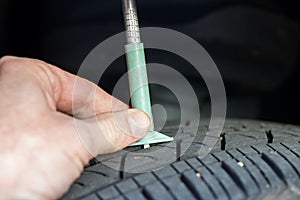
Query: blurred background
x=255, y=44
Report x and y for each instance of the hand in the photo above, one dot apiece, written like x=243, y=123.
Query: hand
x=51, y=124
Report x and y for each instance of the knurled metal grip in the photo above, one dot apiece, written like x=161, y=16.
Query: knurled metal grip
x=131, y=22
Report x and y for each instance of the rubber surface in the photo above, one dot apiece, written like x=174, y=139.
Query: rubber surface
x=249, y=168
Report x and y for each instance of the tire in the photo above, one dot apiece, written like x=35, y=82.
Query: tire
x=260, y=161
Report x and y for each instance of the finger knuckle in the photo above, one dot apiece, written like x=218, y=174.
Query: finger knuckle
x=6, y=62
x=5, y=59
x=12, y=64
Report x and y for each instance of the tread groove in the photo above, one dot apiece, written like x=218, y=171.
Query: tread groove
x=97, y=195
x=80, y=184
x=287, y=160
x=259, y=177
x=234, y=177
x=284, y=171
x=291, y=150
x=192, y=190
x=257, y=151
x=248, y=171
x=267, y=171
x=233, y=191
x=165, y=187
x=276, y=170
x=96, y=172
x=205, y=181
x=220, y=182
x=178, y=150
x=192, y=187
x=122, y=166
x=210, y=188
x=263, y=174
x=149, y=192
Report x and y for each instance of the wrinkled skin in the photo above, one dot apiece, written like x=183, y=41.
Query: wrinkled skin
x=48, y=132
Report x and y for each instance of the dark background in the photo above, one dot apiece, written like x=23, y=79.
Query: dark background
x=255, y=44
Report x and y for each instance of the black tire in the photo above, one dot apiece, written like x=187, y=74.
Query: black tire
x=260, y=161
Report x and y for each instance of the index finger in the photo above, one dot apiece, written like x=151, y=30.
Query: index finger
x=71, y=94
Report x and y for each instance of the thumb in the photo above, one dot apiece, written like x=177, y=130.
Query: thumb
x=110, y=132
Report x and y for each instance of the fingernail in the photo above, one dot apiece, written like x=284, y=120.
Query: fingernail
x=139, y=123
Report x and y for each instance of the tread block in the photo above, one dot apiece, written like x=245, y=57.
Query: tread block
x=177, y=188
x=274, y=180
x=108, y=193
x=236, y=154
x=278, y=163
x=89, y=178
x=289, y=156
x=281, y=167
x=295, y=148
x=165, y=172
x=103, y=169
x=213, y=183
x=196, y=185
x=241, y=177
x=72, y=190
x=194, y=163
x=119, y=198
x=181, y=166
x=126, y=185
x=209, y=159
x=136, y=195
x=229, y=185
x=144, y=179
x=157, y=191
x=247, y=150
x=221, y=156
x=90, y=197
x=259, y=178
x=262, y=149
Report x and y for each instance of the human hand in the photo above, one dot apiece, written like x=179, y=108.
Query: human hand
x=48, y=132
